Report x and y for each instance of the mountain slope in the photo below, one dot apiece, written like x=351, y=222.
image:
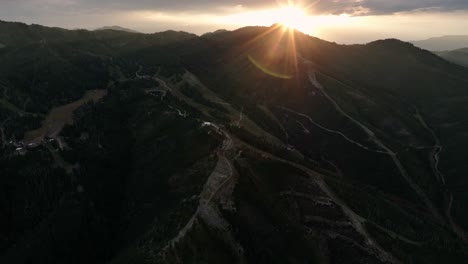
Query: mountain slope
x=253, y=146
x=117, y=28
x=459, y=56
x=443, y=43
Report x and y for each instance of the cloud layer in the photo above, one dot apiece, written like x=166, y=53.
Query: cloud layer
x=379, y=7
x=356, y=7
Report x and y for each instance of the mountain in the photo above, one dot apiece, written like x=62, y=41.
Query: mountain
x=219, y=31
x=459, y=56
x=117, y=28
x=250, y=146
x=443, y=43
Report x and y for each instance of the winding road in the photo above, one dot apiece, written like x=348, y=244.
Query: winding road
x=216, y=183
x=435, y=161
x=436, y=149
x=356, y=220
x=418, y=190
x=335, y=132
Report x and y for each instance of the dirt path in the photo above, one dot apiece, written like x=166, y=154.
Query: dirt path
x=241, y=116
x=338, y=171
x=436, y=149
x=211, y=96
x=304, y=129
x=137, y=73
x=435, y=161
x=356, y=220
x=217, y=185
x=335, y=132
x=430, y=206
x=456, y=228
x=394, y=235
x=180, y=113
x=248, y=124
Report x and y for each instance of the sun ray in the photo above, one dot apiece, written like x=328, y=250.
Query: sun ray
x=279, y=58
x=291, y=16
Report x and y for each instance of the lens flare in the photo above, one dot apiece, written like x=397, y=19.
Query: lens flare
x=268, y=71
x=292, y=17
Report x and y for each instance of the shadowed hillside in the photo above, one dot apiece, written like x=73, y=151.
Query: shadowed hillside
x=259, y=145
x=459, y=56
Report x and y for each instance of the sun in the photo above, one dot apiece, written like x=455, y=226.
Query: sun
x=292, y=17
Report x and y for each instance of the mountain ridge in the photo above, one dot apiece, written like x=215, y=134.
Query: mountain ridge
x=117, y=28
x=444, y=43
x=197, y=154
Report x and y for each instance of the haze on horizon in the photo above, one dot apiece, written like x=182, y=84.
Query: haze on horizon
x=342, y=21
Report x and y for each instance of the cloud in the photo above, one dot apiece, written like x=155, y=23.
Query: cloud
x=396, y=6
x=194, y=15
x=356, y=7
x=385, y=7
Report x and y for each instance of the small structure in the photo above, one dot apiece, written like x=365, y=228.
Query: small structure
x=32, y=146
x=20, y=151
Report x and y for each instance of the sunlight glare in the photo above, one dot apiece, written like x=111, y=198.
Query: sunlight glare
x=291, y=17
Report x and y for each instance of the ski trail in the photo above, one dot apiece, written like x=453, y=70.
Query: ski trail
x=436, y=149
x=394, y=235
x=435, y=155
x=430, y=206
x=356, y=220
x=455, y=227
x=184, y=114
x=303, y=127
x=241, y=116
x=337, y=170
x=314, y=81
x=336, y=132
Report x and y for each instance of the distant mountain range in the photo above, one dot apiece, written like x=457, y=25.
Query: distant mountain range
x=117, y=28
x=444, y=43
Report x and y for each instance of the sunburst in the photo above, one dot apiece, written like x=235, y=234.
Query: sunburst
x=292, y=17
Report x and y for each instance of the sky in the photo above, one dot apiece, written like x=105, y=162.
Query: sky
x=342, y=21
